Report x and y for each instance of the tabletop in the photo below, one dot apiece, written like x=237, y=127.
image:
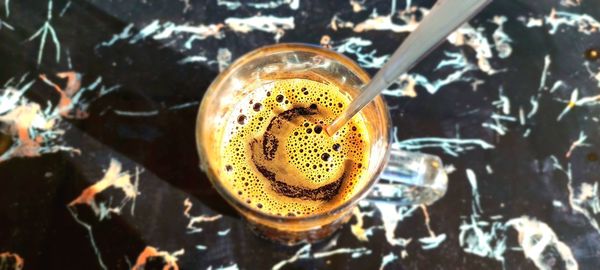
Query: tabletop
x=99, y=169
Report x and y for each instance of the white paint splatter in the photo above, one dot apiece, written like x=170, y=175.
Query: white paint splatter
x=432, y=242
x=384, y=23
x=406, y=83
x=479, y=237
x=305, y=253
x=147, y=31
x=187, y=6
x=336, y=23
x=584, y=200
x=588, y=197
x=587, y=201
x=5, y=24
x=594, y=75
x=361, y=233
x=577, y=143
x=391, y=215
x=483, y=238
x=65, y=8
x=575, y=101
x=168, y=29
x=531, y=22
x=7, y=8
x=522, y=119
x=585, y=23
x=405, y=87
x=354, y=252
x=152, y=113
x=541, y=245
x=232, y=5
x=159, y=31
x=580, y=199
x=449, y=168
x=547, y=62
x=357, y=5
x=43, y=33
x=503, y=101
x=387, y=259
x=489, y=169
x=475, y=38
x=192, y=59
x=302, y=253
x=474, y=191
x=497, y=127
x=232, y=266
x=570, y=3
x=269, y=24
x=354, y=46
x=223, y=58
x=125, y=34
x=137, y=113
x=192, y=226
x=450, y=146
x=455, y=61
x=556, y=203
x=501, y=39
x=184, y=105
x=433, y=86
x=498, y=124
x=12, y=95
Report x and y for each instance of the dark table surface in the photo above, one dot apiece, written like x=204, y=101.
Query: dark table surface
x=99, y=167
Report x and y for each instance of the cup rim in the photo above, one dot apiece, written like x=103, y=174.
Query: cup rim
x=279, y=48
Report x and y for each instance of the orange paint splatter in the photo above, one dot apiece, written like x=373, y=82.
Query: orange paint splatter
x=33, y=130
x=73, y=85
x=22, y=119
x=5, y=259
x=73, y=82
x=326, y=42
x=64, y=102
x=113, y=177
x=170, y=259
x=427, y=220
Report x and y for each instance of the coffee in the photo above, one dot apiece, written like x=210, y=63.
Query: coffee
x=277, y=156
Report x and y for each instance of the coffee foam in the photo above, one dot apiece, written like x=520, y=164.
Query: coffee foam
x=277, y=156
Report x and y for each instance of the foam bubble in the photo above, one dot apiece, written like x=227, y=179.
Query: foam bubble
x=297, y=169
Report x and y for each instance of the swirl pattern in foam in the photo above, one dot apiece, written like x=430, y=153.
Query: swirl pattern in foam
x=278, y=157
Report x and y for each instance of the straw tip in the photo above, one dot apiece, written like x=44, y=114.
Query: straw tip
x=330, y=130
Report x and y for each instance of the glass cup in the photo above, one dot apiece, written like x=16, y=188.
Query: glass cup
x=393, y=175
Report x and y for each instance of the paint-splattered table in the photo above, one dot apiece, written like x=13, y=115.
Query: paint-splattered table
x=98, y=167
